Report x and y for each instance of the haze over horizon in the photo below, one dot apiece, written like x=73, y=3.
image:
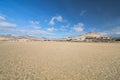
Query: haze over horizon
x=59, y=18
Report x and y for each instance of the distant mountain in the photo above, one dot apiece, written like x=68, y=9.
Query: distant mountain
x=7, y=37
x=90, y=36
x=20, y=38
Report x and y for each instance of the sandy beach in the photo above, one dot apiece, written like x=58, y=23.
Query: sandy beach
x=59, y=61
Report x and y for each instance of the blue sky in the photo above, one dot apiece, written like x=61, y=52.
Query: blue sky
x=59, y=18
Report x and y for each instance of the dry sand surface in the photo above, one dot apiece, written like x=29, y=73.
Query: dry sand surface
x=59, y=61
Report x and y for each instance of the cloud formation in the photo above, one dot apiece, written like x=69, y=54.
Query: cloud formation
x=2, y=18
x=116, y=30
x=6, y=24
x=113, y=31
x=35, y=24
x=78, y=27
x=83, y=12
x=42, y=32
x=51, y=29
x=17, y=31
x=55, y=18
x=65, y=27
x=11, y=28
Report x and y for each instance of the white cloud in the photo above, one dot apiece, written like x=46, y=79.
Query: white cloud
x=65, y=27
x=78, y=27
x=35, y=22
x=26, y=31
x=2, y=18
x=103, y=33
x=12, y=28
x=83, y=12
x=36, y=27
x=57, y=18
x=52, y=22
x=113, y=31
x=7, y=24
x=42, y=32
x=116, y=30
x=45, y=20
x=51, y=29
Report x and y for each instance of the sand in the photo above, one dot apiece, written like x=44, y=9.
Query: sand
x=59, y=61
